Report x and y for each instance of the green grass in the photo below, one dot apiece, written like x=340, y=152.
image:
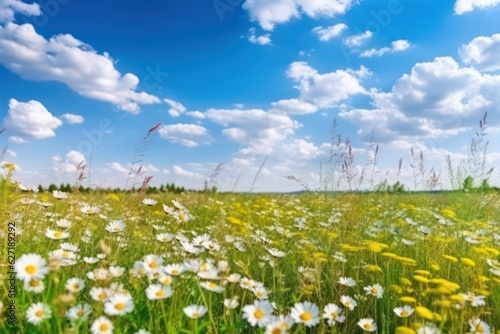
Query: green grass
x=365, y=229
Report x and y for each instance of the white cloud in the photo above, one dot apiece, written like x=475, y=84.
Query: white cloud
x=326, y=34
x=261, y=40
x=9, y=7
x=325, y=90
x=31, y=118
x=301, y=149
x=17, y=140
x=271, y=12
x=10, y=153
x=72, y=118
x=396, y=46
x=293, y=107
x=69, y=163
x=358, y=40
x=118, y=167
x=259, y=130
x=196, y=114
x=178, y=170
x=68, y=60
x=438, y=99
x=176, y=108
x=236, y=134
x=482, y=52
x=466, y=6
x=128, y=169
x=189, y=135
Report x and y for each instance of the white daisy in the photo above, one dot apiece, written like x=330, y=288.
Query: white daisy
x=347, y=281
x=158, y=291
x=79, y=312
x=195, y=311
x=34, y=285
x=259, y=313
x=367, y=324
x=348, y=302
x=102, y=325
x=306, y=313
x=75, y=285
x=333, y=314
x=38, y=312
x=119, y=304
x=375, y=290
x=31, y=266
x=404, y=311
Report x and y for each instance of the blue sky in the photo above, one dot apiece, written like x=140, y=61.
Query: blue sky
x=238, y=82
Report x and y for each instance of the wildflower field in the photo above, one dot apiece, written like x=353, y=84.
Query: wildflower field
x=250, y=263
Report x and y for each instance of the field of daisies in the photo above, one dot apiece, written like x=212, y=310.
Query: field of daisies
x=250, y=263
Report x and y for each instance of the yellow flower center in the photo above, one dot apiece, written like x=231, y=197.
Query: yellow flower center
x=479, y=329
x=213, y=285
x=80, y=313
x=58, y=234
x=306, y=316
x=258, y=314
x=334, y=315
x=30, y=269
x=76, y=286
x=39, y=313
x=153, y=264
x=175, y=272
x=160, y=293
x=276, y=331
x=34, y=283
x=103, y=327
x=102, y=296
x=119, y=306
x=404, y=314
x=374, y=291
x=259, y=294
x=195, y=315
x=367, y=326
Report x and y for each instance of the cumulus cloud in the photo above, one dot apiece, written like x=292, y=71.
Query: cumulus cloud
x=69, y=163
x=189, y=135
x=268, y=13
x=31, y=118
x=256, y=39
x=176, y=108
x=72, y=118
x=196, y=114
x=396, y=46
x=466, y=6
x=127, y=169
x=482, y=52
x=326, y=90
x=8, y=8
x=302, y=149
x=65, y=59
x=179, y=171
x=293, y=107
x=326, y=34
x=438, y=99
x=259, y=130
x=358, y=40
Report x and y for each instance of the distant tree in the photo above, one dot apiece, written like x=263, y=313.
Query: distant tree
x=52, y=187
x=40, y=189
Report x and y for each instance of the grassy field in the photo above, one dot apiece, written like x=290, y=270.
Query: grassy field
x=250, y=263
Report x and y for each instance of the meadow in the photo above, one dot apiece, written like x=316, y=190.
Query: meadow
x=249, y=263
